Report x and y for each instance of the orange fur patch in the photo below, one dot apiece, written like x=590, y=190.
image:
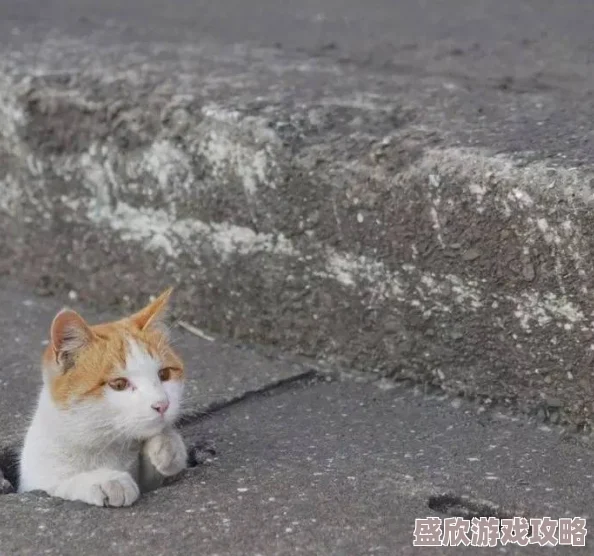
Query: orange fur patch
x=104, y=357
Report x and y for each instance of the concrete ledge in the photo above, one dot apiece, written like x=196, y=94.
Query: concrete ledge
x=373, y=220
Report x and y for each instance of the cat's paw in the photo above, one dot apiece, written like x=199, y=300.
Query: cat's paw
x=167, y=452
x=121, y=490
x=103, y=487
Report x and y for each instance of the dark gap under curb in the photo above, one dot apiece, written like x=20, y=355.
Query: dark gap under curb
x=9, y=471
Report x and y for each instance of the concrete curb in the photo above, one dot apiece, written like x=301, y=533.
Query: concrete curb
x=360, y=218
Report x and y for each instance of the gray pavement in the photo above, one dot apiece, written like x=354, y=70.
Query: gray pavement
x=322, y=465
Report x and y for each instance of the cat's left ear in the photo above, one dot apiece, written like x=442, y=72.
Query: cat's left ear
x=154, y=313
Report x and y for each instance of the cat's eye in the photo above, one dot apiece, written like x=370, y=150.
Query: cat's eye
x=119, y=384
x=165, y=374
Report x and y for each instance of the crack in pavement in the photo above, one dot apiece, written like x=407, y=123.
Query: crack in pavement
x=306, y=377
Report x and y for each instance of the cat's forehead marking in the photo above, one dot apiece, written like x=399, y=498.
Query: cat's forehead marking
x=139, y=360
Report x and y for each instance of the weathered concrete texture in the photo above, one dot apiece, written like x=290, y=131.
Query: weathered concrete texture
x=216, y=373
x=415, y=225
x=326, y=469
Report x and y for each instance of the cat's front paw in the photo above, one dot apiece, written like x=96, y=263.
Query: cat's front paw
x=102, y=487
x=167, y=452
x=119, y=491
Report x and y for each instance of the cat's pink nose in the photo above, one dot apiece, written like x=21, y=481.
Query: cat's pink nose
x=160, y=407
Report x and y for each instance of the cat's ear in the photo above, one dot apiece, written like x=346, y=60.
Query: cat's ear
x=154, y=313
x=69, y=333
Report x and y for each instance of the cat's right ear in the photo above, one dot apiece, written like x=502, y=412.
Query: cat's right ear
x=69, y=333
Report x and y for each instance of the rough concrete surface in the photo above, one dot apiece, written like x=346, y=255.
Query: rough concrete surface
x=424, y=216
x=326, y=468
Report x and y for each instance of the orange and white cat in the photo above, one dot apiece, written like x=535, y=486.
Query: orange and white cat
x=103, y=430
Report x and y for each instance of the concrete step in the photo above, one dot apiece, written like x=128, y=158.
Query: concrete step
x=418, y=225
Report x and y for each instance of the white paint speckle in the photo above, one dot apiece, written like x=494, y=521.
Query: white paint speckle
x=436, y=225
x=543, y=225
x=224, y=147
x=546, y=309
x=478, y=191
x=524, y=200
x=170, y=165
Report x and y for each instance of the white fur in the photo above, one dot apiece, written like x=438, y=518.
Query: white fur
x=92, y=450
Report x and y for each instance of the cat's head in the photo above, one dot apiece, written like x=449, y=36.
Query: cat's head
x=120, y=379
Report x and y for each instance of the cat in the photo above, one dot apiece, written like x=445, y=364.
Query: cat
x=104, y=426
